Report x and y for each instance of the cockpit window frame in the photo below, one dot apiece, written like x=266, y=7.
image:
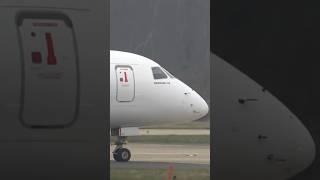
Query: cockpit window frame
x=162, y=74
x=168, y=73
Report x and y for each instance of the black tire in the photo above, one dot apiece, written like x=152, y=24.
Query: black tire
x=115, y=156
x=122, y=155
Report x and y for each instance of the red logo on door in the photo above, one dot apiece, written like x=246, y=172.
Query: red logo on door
x=125, y=76
x=51, y=56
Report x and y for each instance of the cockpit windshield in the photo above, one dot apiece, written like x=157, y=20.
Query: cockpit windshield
x=158, y=73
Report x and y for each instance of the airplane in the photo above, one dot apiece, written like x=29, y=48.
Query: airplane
x=144, y=93
x=255, y=136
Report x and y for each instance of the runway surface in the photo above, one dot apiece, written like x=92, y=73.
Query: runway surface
x=156, y=165
x=161, y=155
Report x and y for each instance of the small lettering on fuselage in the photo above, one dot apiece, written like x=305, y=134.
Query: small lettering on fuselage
x=161, y=82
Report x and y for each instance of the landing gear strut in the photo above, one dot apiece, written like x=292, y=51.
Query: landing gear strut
x=119, y=153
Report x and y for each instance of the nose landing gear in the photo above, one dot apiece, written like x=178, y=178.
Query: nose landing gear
x=119, y=153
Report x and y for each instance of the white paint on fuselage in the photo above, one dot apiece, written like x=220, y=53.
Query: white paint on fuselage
x=260, y=139
x=155, y=101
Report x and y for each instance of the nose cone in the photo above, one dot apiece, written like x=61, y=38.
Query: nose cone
x=203, y=107
x=200, y=106
x=304, y=149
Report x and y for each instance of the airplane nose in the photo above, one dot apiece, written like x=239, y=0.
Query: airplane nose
x=200, y=108
x=204, y=108
x=305, y=149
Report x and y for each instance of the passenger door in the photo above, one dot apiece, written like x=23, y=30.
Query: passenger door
x=125, y=83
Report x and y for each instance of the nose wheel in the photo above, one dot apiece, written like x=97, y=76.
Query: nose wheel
x=120, y=153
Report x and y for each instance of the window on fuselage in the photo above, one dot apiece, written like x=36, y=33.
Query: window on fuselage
x=158, y=73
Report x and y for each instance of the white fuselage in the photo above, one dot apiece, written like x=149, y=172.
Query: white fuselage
x=138, y=99
x=255, y=135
